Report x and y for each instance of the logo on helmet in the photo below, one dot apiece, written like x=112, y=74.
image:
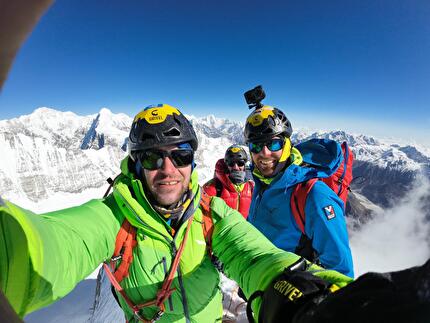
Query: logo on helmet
x=154, y=115
x=235, y=149
x=259, y=115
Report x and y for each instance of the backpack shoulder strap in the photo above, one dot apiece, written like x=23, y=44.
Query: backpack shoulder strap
x=207, y=223
x=218, y=187
x=298, y=202
x=124, y=244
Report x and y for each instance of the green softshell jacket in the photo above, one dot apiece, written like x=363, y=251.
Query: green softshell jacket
x=43, y=257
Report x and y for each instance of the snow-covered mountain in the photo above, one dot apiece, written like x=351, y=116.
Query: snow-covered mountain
x=49, y=152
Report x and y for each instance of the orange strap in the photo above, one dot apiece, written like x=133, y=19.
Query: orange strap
x=125, y=242
x=208, y=224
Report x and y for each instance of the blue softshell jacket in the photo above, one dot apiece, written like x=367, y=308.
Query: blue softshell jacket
x=270, y=210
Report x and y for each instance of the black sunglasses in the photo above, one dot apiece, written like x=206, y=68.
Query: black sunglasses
x=154, y=159
x=273, y=145
x=239, y=163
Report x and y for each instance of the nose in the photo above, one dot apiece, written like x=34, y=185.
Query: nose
x=235, y=166
x=265, y=151
x=168, y=166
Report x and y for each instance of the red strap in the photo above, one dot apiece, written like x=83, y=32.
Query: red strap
x=298, y=201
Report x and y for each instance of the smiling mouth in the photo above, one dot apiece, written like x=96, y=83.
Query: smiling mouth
x=267, y=163
x=169, y=183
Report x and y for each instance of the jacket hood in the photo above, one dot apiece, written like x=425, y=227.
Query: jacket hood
x=221, y=174
x=322, y=154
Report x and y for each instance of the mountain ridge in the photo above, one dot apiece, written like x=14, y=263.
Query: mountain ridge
x=52, y=151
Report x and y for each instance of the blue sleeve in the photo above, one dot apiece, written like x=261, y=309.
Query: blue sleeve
x=325, y=224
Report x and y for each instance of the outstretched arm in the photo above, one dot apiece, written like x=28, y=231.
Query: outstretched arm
x=43, y=257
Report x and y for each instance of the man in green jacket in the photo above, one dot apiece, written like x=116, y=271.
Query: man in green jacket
x=170, y=277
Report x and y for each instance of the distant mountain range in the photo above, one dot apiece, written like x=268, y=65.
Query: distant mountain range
x=50, y=151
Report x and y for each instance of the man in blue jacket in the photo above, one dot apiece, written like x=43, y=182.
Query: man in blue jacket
x=277, y=168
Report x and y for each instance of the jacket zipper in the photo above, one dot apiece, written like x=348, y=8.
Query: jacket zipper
x=184, y=297
x=257, y=203
x=165, y=273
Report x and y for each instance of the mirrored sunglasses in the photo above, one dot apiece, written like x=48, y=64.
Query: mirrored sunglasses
x=273, y=145
x=154, y=159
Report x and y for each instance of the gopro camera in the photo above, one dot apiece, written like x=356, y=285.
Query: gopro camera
x=254, y=97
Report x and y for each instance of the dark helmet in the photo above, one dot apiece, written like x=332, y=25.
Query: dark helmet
x=235, y=153
x=160, y=125
x=266, y=122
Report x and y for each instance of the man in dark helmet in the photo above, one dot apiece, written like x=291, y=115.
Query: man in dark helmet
x=156, y=233
x=230, y=182
x=277, y=168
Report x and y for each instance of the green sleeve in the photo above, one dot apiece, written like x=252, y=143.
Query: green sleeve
x=249, y=257
x=43, y=257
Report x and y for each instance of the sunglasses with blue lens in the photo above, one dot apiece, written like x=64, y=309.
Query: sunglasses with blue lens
x=273, y=145
x=154, y=159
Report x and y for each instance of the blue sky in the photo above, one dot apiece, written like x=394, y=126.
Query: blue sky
x=360, y=66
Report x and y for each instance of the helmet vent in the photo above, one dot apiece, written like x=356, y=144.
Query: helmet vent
x=172, y=133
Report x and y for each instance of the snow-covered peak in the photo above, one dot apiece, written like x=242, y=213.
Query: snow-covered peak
x=46, y=124
x=106, y=126
x=352, y=139
x=369, y=149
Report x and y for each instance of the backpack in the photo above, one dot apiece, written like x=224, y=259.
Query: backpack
x=339, y=181
x=126, y=241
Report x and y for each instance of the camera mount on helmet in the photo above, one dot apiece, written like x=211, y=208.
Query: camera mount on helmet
x=254, y=97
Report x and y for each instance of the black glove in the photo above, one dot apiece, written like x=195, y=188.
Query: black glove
x=289, y=295
x=402, y=296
